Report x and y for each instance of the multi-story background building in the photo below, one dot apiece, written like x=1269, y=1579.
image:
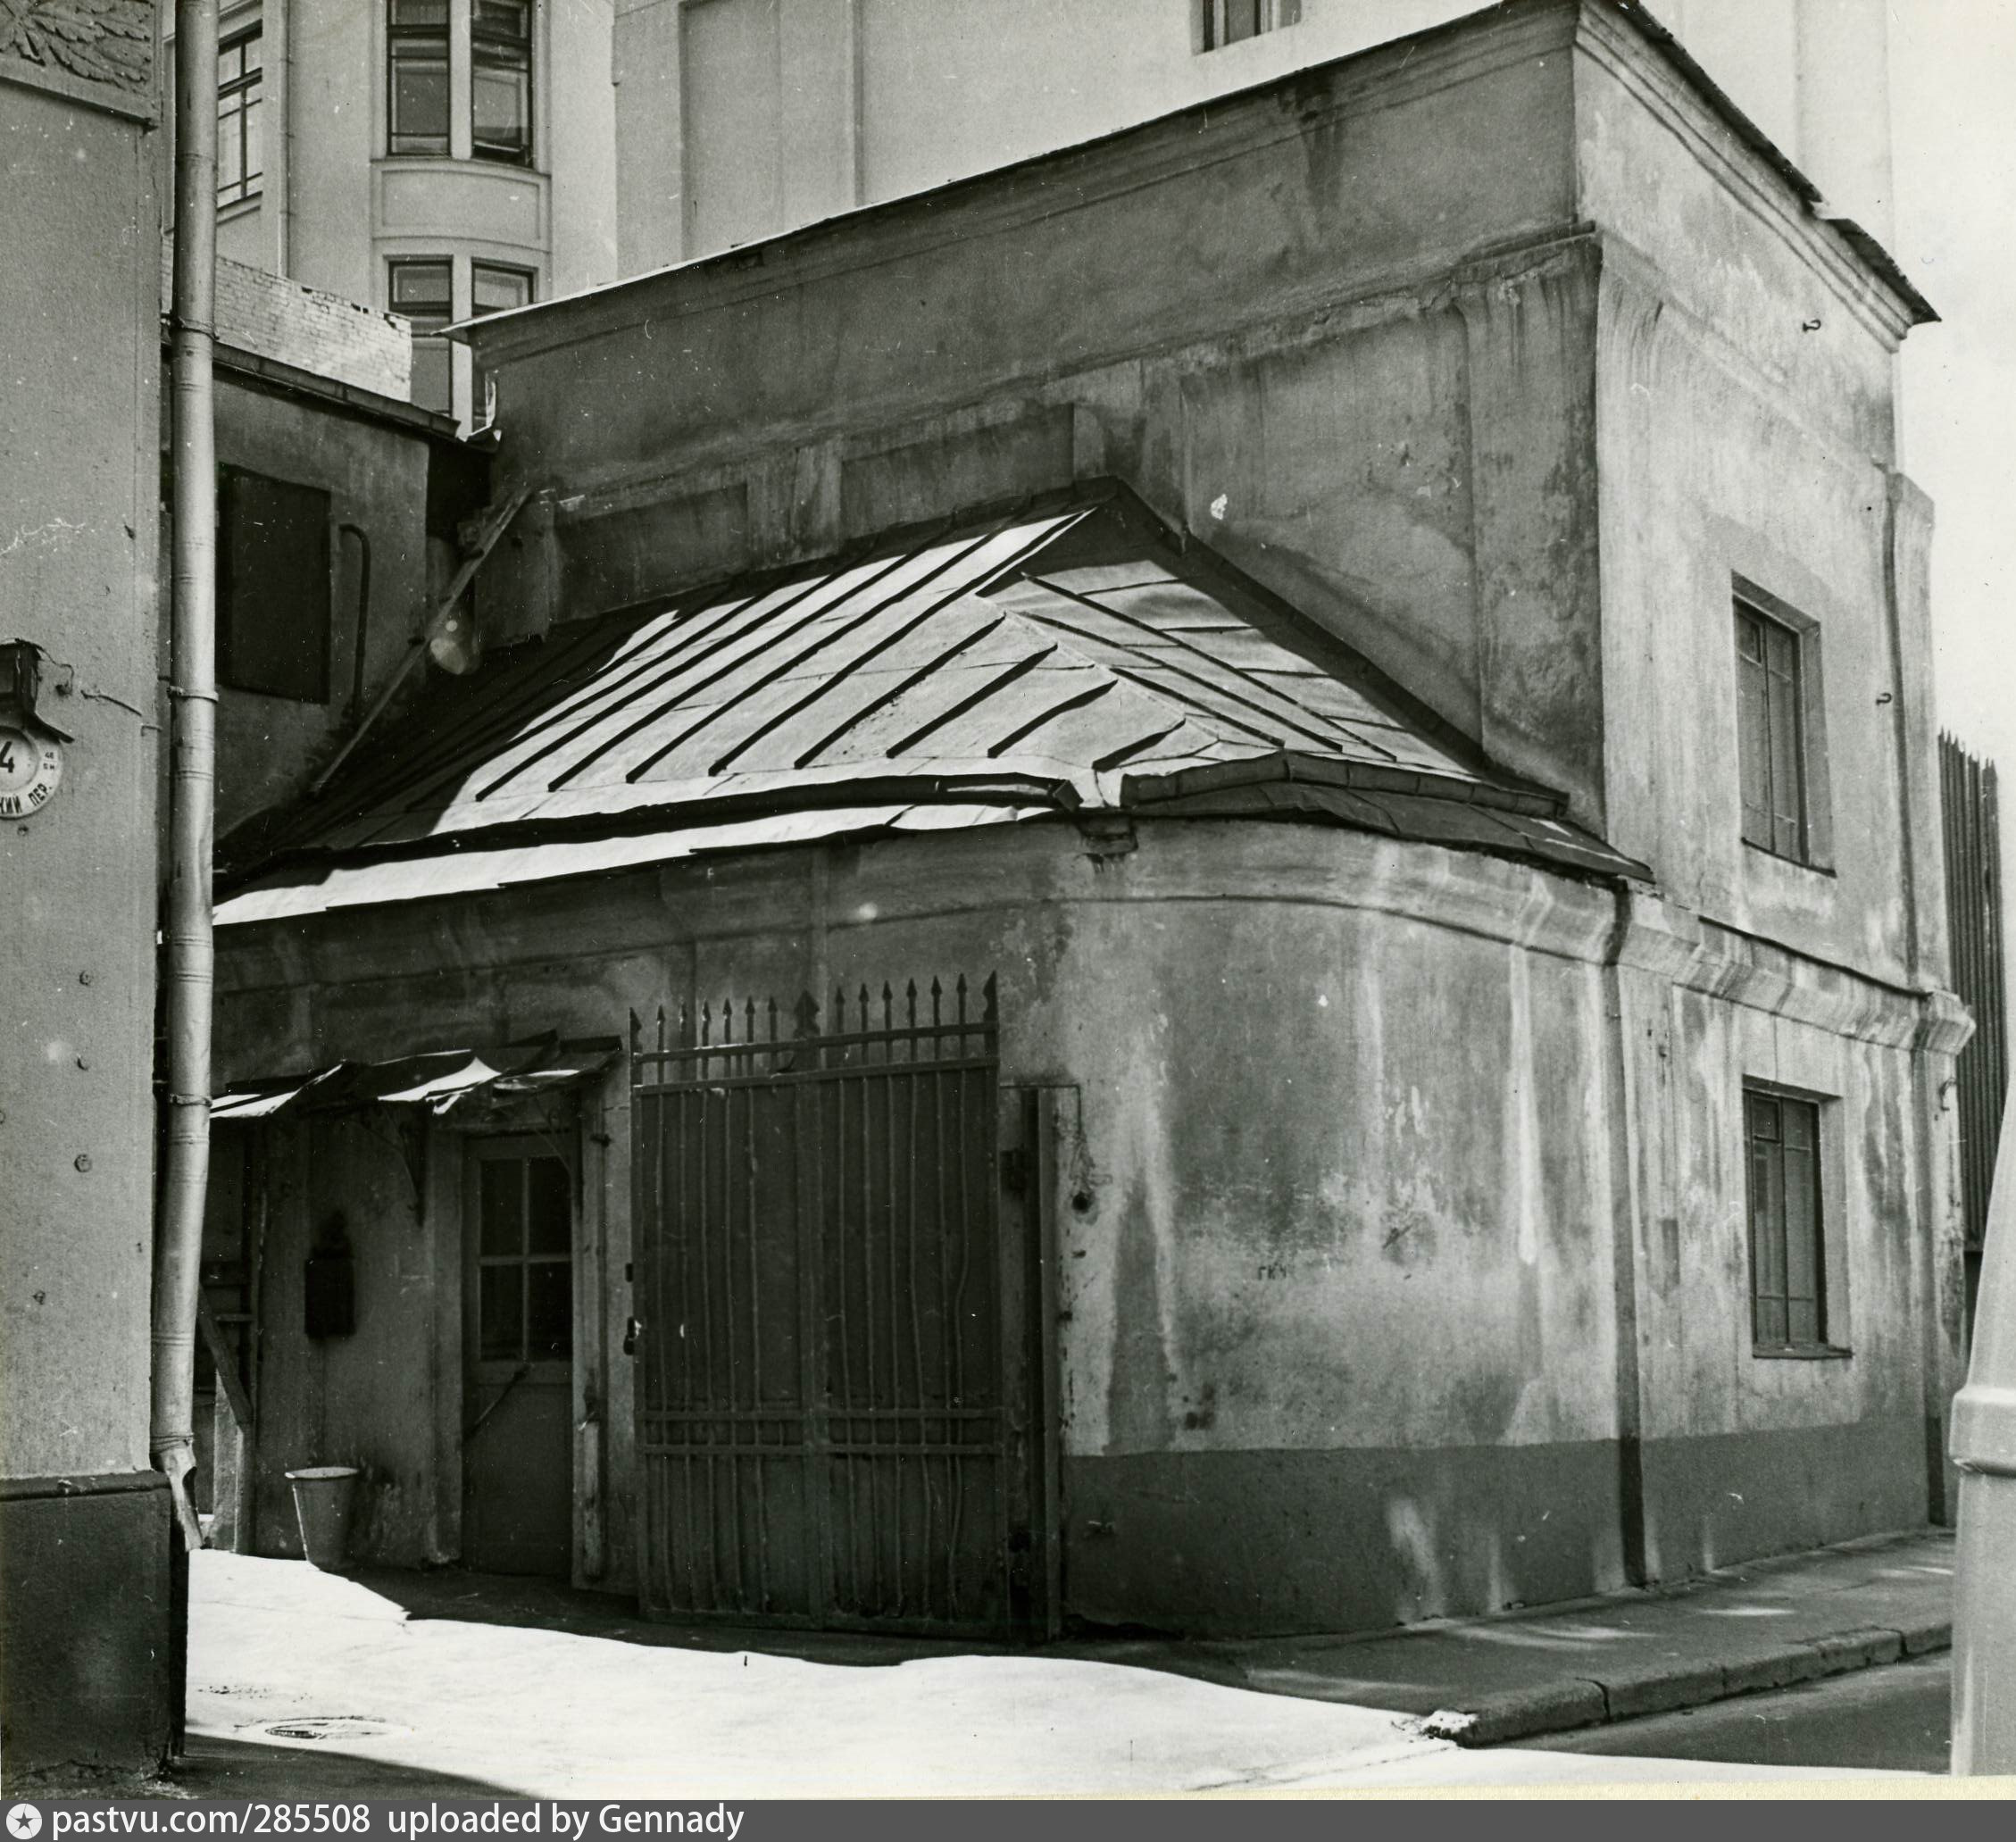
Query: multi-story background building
x=442, y=158
x=738, y=119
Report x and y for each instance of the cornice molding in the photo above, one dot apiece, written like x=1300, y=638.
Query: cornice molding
x=98, y=52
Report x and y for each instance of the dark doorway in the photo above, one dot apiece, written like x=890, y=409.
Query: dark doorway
x=519, y=1342
x=834, y=1382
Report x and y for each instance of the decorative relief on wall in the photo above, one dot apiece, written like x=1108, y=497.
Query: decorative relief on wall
x=84, y=48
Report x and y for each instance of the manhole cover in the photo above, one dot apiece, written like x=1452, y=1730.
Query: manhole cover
x=319, y=1727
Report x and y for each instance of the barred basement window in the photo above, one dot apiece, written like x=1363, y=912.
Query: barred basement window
x=1787, y=1248
x=240, y=160
x=1222, y=22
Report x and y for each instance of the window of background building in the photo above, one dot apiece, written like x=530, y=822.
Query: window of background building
x=272, y=587
x=1770, y=740
x=1227, y=21
x=416, y=48
x=500, y=80
x=1788, y=1250
x=240, y=81
x=423, y=290
x=494, y=289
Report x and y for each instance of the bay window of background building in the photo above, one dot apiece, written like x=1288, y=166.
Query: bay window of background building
x=420, y=52
x=416, y=56
x=422, y=289
x=500, y=80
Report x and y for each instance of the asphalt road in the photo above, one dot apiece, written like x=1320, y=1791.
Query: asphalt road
x=1884, y=1720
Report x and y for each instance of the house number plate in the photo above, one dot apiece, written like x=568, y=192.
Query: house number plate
x=32, y=767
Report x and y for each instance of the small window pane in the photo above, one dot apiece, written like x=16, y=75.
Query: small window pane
x=549, y=1216
x=502, y=1314
x=550, y=1310
x=500, y=1205
x=423, y=290
x=494, y=290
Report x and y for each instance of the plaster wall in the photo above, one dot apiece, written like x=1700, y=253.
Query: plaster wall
x=377, y=478
x=1361, y=1166
x=370, y=1399
x=84, y=1613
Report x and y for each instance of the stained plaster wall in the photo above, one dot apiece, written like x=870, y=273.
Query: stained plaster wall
x=376, y=475
x=1361, y=1170
x=372, y=1398
x=85, y=1629
x=1746, y=432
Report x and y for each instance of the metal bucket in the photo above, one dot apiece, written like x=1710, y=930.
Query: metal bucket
x=321, y=1504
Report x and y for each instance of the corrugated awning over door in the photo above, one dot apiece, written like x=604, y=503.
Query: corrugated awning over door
x=439, y=1079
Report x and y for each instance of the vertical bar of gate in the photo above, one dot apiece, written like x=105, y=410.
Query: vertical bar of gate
x=810, y=1215
x=956, y=1150
x=874, y=1426
x=759, y=1458
x=689, y=1175
x=894, y=1464
x=924, y=1434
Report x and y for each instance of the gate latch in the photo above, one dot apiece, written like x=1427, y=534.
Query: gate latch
x=633, y=1328
x=1015, y=1169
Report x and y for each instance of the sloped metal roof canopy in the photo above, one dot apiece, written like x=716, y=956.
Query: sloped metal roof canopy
x=1076, y=655
x=439, y=1079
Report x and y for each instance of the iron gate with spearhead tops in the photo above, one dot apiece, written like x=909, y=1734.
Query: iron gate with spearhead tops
x=834, y=1395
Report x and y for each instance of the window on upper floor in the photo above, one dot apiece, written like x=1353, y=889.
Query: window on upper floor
x=1776, y=737
x=416, y=54
x=272, y=587
x=240, y=73
x=500, y=79
x=494, y=288
x=1789, y=1303
x=423, y=289
x=1222, y=22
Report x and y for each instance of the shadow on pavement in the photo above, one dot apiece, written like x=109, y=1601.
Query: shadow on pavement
x=215, y=1767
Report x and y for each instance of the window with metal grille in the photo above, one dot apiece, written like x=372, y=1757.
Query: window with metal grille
x=1771, y=732
x=525, y=1253
x=1223, y=23
x=1788, y=1249
x=272, y=587
x=500, y=80
x=240, y=159
x=416, y=56
x=422, y=290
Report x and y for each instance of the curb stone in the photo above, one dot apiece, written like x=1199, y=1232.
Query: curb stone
x=1560, y=1706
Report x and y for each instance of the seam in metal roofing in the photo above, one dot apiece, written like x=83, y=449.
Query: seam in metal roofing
x=1073, y=655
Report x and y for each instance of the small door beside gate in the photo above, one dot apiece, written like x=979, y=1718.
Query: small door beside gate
x=833, y=1397
x=518, y=1340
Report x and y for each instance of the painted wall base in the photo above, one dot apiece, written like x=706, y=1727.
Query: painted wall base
x=1716, y=1499
x=1307, y=1540
x=84, y=1637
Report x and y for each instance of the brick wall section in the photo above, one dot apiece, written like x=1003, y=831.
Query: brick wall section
x=272, y=317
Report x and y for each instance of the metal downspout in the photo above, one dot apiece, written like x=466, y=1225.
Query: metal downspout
x=188, y=972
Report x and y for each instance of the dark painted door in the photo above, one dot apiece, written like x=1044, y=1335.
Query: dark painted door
x=519, y=1338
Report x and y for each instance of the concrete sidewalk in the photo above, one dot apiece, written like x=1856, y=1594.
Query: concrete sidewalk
x=308, y=1684
x=312, y=1684
x=1481, y=1682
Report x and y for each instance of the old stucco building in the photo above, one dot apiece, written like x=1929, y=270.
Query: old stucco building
x=1456, y=1115
x=86, y=1632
